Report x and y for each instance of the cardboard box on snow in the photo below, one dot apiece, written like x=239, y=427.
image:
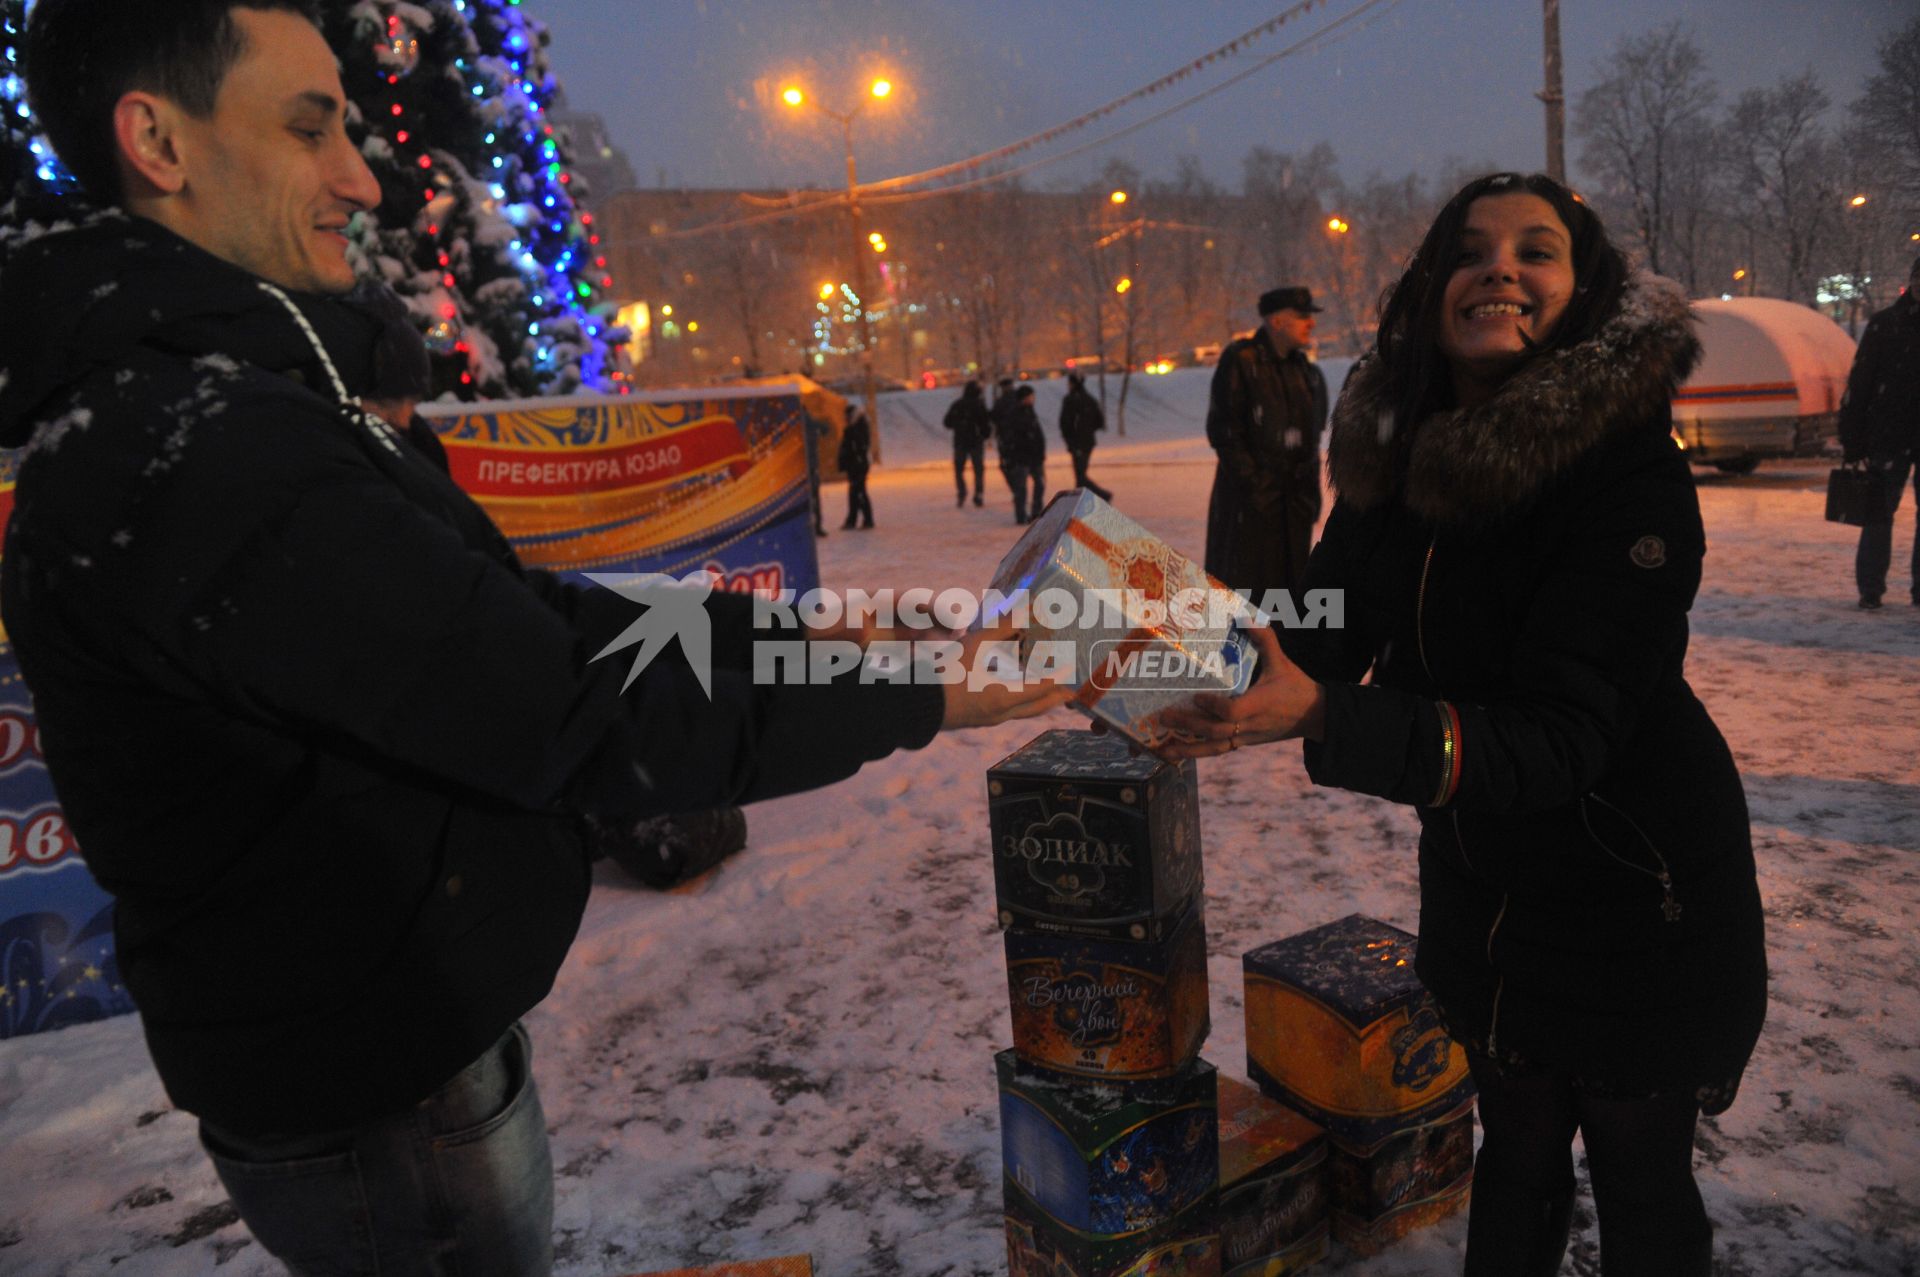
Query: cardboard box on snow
x=1340, y=1028
x=1091, y=839
x=1172, y=631
x=1407, y=1181
x=788, y=1266
x=1272, y=1212
x=1108, y=1160
x=1116, y=1010
x=1036, y=1247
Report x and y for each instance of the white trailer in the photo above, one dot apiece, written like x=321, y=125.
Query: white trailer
x=1768, y=385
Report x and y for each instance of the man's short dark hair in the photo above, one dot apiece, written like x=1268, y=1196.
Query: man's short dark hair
x=82, y=56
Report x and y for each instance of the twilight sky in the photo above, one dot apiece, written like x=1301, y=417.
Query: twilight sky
x=688, y=87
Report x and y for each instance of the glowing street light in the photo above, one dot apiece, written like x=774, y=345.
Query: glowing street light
x=1857, y=200
x=1741, y=273
x=877, y=89
x=826, y=291
x=1123, y=285
x=1338, y=226
x=666, y=310
x=874, y=237
x=1118, y=197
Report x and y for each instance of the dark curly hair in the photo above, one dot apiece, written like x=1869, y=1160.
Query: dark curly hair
x=1408, y=343
x=82, y=56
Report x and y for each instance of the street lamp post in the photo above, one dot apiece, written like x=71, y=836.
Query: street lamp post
x=794, y=97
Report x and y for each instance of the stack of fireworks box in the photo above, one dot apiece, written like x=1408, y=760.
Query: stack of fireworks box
x=1340, y=1029
x=1114, y=1131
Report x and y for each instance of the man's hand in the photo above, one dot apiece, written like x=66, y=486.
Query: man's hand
x=981, y=697
x=1282, y=704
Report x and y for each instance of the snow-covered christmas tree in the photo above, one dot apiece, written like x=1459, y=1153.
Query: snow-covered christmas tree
x=28, y=167
x=481, y=227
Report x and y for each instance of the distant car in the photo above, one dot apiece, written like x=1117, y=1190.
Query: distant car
x=1769, y=382
x=1206, y=356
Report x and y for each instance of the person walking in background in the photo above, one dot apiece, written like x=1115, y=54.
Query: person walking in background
x=1265, y=413
x=1004, y=402
x=1080, y=420
x=1519, y=542
x=971, y=425
x=1880, y=425
x=1023, y=454
x=855, y=459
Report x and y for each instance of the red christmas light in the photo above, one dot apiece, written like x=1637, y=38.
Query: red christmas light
x=426, y=161
x=401, y=137
x=396, y=108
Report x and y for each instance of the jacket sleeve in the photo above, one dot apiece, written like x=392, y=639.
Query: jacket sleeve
x=1856, y=406
x=333, y=607
x=1331, y=654
x=1606, y=626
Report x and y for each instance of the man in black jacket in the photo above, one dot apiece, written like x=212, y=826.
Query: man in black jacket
x=968, y=419
x=1023, y=454
x=1880, y=425
x=333, y=750
x=1080, y=420
x=1266, y=410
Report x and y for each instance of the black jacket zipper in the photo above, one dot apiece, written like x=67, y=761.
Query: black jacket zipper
x=1669, y=904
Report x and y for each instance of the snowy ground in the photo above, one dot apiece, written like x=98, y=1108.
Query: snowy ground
x=796, y=1055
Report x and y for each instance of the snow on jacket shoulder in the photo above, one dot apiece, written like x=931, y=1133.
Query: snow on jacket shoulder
x=325, y=740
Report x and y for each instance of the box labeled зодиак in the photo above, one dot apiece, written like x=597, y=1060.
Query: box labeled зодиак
x=1146, y=626
x=1091, y=839
x=1340, y=1028
x=1112, y=1010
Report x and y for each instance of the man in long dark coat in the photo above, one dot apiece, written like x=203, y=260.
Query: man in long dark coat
x=1264, y=417
x=1880, y=425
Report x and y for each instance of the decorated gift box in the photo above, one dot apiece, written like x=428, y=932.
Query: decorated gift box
x=1108, y=1160
x=1414, y=1177
x=1186, y=1246
x=1091, y=839
x=1117, y=1010
x=1272, y=1212
x=1340, y=1028
x=1145, y=626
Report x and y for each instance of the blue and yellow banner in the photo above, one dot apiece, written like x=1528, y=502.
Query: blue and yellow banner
x=673, y=482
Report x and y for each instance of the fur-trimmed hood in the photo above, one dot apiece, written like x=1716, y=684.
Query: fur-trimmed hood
x=1470, y=466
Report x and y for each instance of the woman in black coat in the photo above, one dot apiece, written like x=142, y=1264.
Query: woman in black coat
x=1519, y=543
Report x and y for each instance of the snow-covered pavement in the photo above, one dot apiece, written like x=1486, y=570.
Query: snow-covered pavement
x=795, y=1056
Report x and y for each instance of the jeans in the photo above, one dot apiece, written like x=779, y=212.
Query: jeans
x=1019, y=478
x=977, y=453
x=460, y=1184
x=1875, y=555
